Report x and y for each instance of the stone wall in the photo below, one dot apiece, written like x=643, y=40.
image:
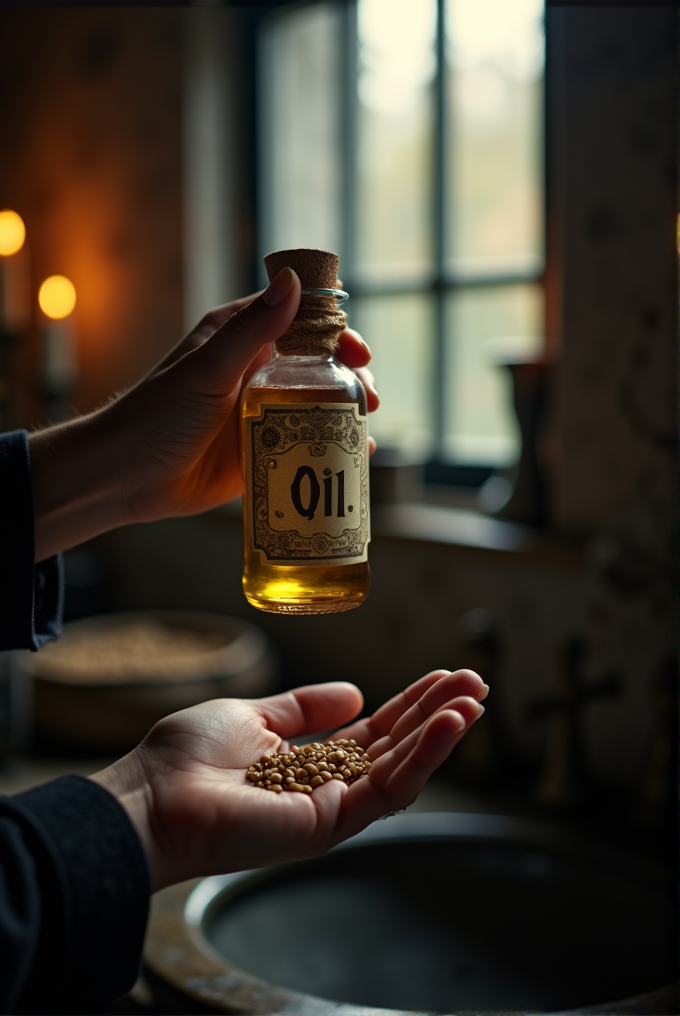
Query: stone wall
x=90, y=121
x=612, y=116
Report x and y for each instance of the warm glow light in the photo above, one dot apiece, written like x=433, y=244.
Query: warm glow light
x=12, y=232
x=57, y=296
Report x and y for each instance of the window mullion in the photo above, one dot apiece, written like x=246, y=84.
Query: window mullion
x=348, y=139
x=439, y=222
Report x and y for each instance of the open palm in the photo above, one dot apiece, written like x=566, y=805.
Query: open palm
x=185, y=785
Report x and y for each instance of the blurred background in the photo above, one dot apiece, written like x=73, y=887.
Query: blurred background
x=499, y=181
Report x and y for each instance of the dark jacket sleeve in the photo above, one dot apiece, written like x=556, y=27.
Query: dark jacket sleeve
x=74, y=893
x=74, y=882
x=31, y=596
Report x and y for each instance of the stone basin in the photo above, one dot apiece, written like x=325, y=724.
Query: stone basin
x=427, y=913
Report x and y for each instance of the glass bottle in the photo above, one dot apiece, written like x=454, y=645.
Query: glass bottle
x=305, y=449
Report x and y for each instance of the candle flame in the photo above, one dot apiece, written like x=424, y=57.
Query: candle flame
x=12, y=232
x=57, y=296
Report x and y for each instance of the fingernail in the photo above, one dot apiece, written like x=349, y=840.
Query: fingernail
x=486, y=691
x=279, y=287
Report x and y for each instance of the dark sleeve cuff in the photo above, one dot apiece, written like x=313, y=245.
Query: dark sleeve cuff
x=96, y=880
x=31, y=596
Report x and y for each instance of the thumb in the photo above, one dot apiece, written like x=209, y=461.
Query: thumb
x=221, y=360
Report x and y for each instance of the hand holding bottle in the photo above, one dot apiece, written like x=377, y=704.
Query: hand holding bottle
x=170, y=445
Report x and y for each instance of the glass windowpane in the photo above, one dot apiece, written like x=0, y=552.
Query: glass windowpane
x=399, y=330
x=494, y=200
x=485, y=327
x=495, y=54
x=300, y=139
x=396, y=67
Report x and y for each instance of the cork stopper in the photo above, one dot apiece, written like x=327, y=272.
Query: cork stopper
x=316, y=269
x=317, y=325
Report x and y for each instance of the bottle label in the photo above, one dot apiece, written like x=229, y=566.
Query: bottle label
x=307, y=475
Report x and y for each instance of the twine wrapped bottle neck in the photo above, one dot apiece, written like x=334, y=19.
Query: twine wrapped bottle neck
x=315, y=329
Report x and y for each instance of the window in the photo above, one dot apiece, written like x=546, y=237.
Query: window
x=407, y=136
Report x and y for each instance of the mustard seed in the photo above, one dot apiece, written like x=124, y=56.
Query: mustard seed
x=302, y=769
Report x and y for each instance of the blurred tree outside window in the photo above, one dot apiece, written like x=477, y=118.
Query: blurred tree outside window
x=408, y=136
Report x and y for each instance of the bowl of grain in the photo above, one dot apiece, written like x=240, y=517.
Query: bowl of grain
x=108, y=679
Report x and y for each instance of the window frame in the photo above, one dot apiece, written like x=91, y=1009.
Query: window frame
x=441, y=282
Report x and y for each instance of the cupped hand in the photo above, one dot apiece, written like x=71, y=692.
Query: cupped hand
x=182, y=421
x=185, y=790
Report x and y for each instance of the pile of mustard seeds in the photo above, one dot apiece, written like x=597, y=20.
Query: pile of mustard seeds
x=302, y=769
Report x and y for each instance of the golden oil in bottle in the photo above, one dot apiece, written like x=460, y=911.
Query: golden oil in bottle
x=305, y=442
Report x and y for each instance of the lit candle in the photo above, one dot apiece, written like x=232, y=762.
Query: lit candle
x=15, y=292
x=57, y=300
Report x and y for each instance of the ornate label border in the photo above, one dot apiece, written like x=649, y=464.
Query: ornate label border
x=278, y=428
